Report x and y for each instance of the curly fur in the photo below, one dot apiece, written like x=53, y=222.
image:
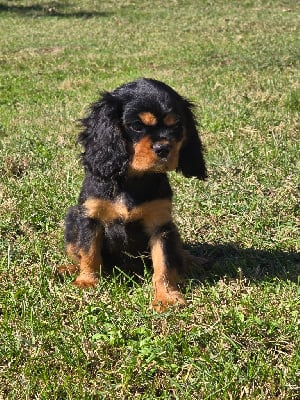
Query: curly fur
x=131, y=138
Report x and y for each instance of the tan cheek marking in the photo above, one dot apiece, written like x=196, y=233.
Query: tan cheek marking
x=144, y=157
x=148, y=118
x=174, y=155
x=170, y=119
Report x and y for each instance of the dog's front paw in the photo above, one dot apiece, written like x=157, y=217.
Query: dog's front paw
x=164, y=300
x=85, y=281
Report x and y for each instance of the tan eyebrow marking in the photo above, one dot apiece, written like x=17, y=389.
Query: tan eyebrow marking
x=148, y=118
x=170, y=119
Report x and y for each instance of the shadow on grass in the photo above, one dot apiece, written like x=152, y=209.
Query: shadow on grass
x=255, y=265
x=54, y=9
x=223, y=261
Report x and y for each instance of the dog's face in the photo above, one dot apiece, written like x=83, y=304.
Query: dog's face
x=142, y=127
x=154, y=137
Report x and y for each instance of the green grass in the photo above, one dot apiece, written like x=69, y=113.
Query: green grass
x=239, y=336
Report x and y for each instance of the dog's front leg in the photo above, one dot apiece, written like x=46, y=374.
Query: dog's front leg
x=89, y=254
x=84, y=243
x=166, y=253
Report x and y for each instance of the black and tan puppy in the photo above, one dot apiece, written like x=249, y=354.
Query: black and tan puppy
x=132, y=137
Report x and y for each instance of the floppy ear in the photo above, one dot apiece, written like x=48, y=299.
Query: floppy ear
x=191, y=160
x=105, y=152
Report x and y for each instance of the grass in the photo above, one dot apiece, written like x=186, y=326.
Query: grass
x=239, y=336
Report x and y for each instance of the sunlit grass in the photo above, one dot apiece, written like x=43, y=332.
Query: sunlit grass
x=239, y=336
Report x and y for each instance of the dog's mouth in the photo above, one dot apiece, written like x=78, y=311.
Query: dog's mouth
x=160, y=156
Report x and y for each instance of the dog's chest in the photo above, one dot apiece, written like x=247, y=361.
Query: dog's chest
x=151, y=214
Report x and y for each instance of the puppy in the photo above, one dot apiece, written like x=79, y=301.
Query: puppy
x=131, y=138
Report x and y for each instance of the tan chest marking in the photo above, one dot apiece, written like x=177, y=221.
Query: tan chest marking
x=153, y=213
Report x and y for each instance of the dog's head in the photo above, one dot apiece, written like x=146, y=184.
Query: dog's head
x=142, y=127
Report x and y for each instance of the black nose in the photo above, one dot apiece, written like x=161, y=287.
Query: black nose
x=162, y=149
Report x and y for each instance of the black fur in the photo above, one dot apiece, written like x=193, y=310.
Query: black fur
x=191, y=161
x=105, y=155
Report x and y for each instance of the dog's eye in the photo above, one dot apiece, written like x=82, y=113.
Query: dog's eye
x=137, y=126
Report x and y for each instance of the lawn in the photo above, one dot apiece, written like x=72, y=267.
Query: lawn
x=238, y=338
